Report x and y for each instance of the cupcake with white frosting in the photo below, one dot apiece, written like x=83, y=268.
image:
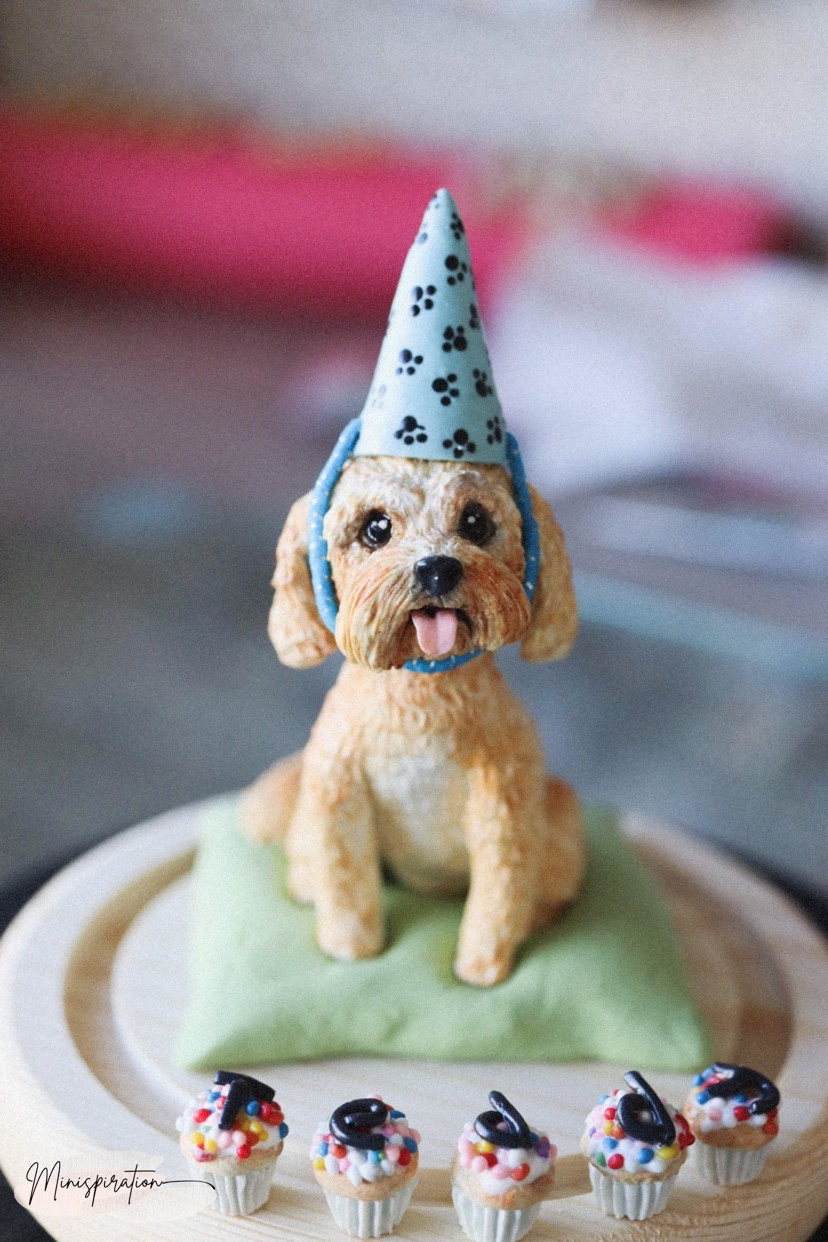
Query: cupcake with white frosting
x=635, y=1143
x=365, y=1158
x=232, y=1136
x=732, y=1111
x=502, y=1171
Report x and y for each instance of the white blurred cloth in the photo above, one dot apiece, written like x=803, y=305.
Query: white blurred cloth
x=612, y=363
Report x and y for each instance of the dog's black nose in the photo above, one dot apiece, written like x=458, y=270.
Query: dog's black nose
x=438, y=575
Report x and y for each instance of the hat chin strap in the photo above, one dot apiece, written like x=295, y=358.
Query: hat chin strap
x=320, y=567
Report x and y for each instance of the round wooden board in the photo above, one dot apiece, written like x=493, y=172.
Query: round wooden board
x=92, y=980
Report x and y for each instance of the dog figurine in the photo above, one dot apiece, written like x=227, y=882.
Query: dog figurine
x=438, y=776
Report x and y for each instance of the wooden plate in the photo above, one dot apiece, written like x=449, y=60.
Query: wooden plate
x=92, y=980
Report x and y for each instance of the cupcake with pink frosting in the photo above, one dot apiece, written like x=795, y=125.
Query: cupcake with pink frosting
x=232, y=1136
x=502, y=1171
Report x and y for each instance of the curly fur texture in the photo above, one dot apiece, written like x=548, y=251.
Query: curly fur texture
x=438, y=776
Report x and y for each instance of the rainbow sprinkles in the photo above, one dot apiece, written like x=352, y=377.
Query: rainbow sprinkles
x=365, y=1156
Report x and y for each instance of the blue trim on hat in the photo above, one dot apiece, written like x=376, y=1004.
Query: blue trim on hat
x=320, y=567
x=530, y=534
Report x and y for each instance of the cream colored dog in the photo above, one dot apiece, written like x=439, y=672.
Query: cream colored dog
x=440, y=776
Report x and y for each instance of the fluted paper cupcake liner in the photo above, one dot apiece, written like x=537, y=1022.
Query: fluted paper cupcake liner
x=240, y=1194
x=488, y=1224
x=635, y=1200
x=370, y=1218
x=728, y=1166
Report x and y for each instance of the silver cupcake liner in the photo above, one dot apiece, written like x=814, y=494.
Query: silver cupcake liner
x=635, y=1200
x=728, y=1166
x=370, y=1218
x=240, y=1194
x=488, y=1224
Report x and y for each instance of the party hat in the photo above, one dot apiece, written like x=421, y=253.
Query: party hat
x=432, y=395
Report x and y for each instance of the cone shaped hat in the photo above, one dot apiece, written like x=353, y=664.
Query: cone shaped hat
x=433, y=395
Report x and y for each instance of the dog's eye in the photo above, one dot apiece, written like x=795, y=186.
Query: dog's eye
x=476, y=524
x=376, y=529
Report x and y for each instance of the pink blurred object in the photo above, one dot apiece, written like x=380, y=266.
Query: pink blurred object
x=702, y=223
x=221, y=214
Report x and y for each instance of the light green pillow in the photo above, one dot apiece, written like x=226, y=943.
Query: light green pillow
x=605, y=983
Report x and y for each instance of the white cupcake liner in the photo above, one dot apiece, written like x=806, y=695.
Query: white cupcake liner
x=728, y=1166
x=370, y=1218
x=635, y=1200
x=488, y=1224
x=239, y=1194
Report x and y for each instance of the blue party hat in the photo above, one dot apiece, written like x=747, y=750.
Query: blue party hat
x=432, y=395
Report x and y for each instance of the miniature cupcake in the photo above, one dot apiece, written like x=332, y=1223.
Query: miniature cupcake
x=501, y=1172
x=635, y=1143
x=732, y=1112
x=365, y=1159
x=233, y=1136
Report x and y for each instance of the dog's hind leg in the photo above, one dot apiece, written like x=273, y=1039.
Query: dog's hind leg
x=563, y=853
x=267, y=806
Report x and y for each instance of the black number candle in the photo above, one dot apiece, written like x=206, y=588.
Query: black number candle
x=642, y=1114
x=242, y=1089
x=762, y=1094
x=352, y=1122
x=489, y=1124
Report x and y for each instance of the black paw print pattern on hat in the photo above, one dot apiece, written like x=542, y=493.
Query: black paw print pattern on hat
x=410, y=431
x=454, y=338
x=408, y=362
x=481, y=383
x=494, y=430
x=447, y=388
x=460, y=444
x=423, y=298
x=433, y=394
x=457, y=269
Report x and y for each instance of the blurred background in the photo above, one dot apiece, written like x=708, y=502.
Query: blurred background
x=204, y=207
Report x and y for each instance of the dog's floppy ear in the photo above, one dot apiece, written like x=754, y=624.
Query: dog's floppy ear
x=296, y=629
x=554, y=622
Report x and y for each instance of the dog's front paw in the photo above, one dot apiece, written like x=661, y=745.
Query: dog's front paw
x=349, y=937
x=300, y=882
x=482, y=969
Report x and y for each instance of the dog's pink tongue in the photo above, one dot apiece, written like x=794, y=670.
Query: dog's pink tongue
x=436, y=635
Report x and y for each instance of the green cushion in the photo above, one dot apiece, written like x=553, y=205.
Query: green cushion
x=605, y=983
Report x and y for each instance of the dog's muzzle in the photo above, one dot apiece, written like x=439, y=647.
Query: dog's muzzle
x=437, y=575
